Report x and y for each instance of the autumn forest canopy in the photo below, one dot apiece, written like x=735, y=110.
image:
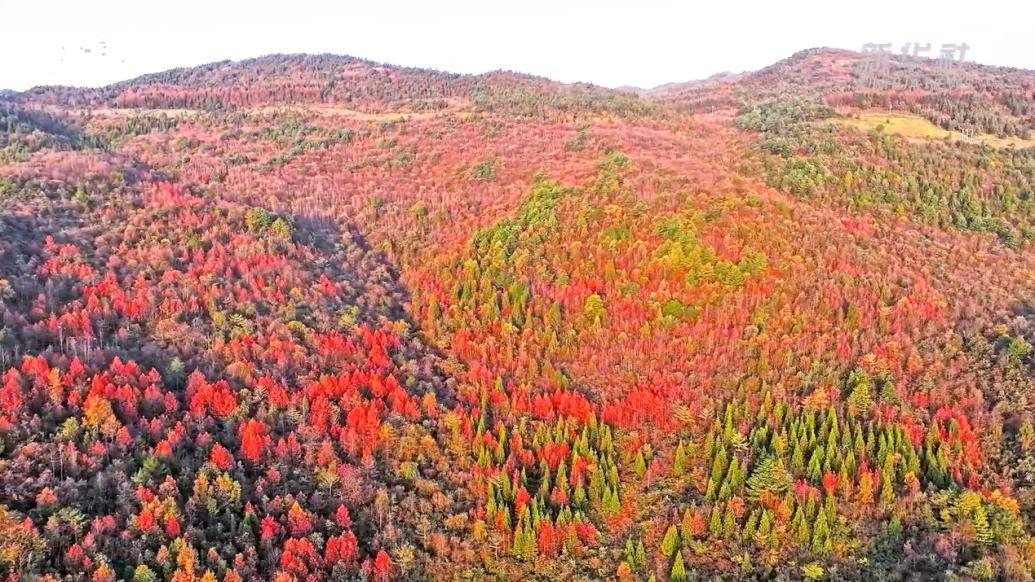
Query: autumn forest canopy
x=318, y=318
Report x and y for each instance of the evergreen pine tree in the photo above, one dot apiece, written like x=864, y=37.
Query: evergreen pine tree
x=982, y=529
x=640, y=464
x=769, y=475
x=864, y=493
x=798, y=458
x=715, y=522
x=750, y=527
x=517, y=546
x=887, y=489
x=801, y=527
x=678, y=573
x=679, y=462
x=815, y=469
x=765, y=527
x=821, y=535
x=859, y=399
x=729, y=522
x=670, y=543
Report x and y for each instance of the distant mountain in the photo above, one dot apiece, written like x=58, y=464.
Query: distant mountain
x=984, y=98
x=329, y=79
x=961, y=96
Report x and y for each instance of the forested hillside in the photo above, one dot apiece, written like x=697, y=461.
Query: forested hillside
x=314, y=317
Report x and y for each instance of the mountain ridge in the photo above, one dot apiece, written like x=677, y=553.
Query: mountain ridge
x=317, y=60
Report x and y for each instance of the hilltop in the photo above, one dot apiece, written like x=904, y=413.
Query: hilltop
x=320, y=79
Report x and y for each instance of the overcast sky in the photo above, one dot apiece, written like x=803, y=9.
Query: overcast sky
x=646, y=43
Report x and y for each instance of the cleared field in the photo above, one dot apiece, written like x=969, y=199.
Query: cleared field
x=915, y=127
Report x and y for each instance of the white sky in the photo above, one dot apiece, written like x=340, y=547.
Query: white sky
x=644, y=44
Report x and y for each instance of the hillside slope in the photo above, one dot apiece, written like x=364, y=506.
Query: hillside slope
x=312, y=317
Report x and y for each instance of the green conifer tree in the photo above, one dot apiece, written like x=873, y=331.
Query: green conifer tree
x=640, y=464
x=768, y=475
x=715, y=522
x=670, y=543
x=678, y=573
x=679, y=462
x=821, y=543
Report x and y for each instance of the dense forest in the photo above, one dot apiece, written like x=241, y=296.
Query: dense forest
x=318, y=318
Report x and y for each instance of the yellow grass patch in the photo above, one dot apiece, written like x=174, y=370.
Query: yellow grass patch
x=916, y=128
